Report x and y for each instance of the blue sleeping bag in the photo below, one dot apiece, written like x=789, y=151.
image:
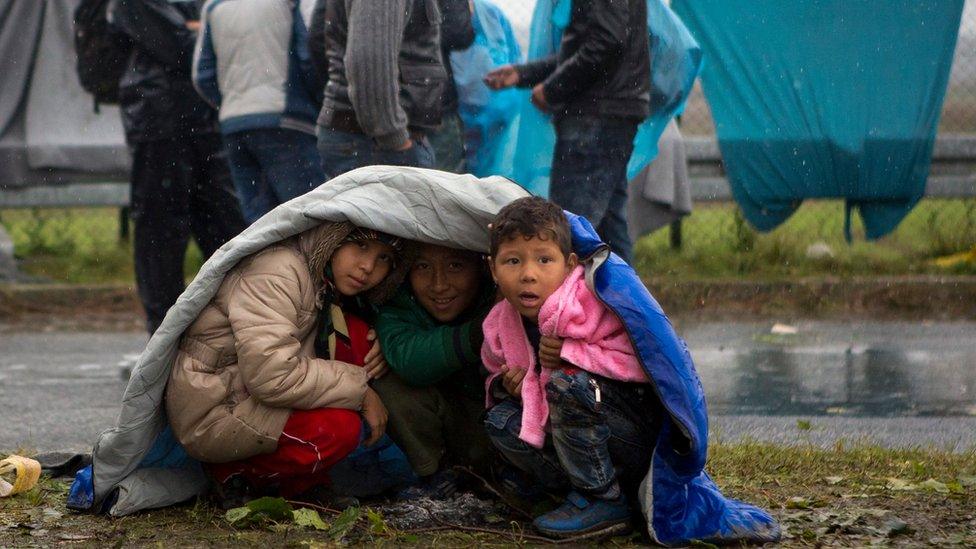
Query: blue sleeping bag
x=678, y=499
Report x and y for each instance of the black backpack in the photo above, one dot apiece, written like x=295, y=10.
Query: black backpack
x=103, y=52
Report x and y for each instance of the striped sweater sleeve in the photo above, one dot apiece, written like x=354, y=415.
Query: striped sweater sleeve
x=372, y=51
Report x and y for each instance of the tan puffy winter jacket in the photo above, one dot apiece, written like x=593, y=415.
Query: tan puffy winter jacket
x=249, y=358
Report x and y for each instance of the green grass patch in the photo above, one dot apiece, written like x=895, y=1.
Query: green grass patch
x=717, y=242
x=79, y=246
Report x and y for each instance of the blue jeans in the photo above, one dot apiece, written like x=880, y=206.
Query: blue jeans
x=594, y=448
x=589, y=174
x=271, y=166
x=343, y=151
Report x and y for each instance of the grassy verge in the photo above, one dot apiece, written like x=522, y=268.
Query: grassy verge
x=83, y=245
x=845, y=496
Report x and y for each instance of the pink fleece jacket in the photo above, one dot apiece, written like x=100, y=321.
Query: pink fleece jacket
x=593, y=340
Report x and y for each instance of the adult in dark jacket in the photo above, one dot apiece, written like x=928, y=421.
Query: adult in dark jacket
x=598, y=88
x=385, y=82
x=180, y=182
x=457, y=33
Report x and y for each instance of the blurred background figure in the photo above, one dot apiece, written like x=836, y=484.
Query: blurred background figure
x=598, y=88
x=252, y=63
x=385, y=85
x=180, y=181
x=486, y=115
x=457, y=33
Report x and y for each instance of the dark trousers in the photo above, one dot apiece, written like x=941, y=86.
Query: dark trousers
x=436, y=426
x=271, y=166
x=180, y=187
x=600, y=449
x=448, y=144
x=589, y=174
x=344, y=151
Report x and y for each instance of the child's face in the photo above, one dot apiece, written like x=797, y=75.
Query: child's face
x=360, y=266
x=529, y=271
x=445, y=281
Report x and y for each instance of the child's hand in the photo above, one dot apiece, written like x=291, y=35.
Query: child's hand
x=549, y=351
x=512, y=380
x=375, y=364
x=375, y=414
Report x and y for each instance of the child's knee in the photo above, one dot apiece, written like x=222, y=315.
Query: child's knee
x=570, y=394
x=503, y=421
x=345, y=426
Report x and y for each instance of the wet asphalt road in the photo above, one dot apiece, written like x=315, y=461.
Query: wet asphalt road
x=892, y=383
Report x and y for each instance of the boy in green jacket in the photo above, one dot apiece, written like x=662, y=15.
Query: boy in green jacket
x=430, y=333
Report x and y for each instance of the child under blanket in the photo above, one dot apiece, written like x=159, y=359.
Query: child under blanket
x=569, y=403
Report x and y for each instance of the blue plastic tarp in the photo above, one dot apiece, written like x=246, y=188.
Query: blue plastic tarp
x=826, y=99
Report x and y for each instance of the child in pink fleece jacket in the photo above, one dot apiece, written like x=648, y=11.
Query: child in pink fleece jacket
x=569, y=403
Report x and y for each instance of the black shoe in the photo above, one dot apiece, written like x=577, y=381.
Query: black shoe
x=233, y=492
x=440, y=485
x=323, y=496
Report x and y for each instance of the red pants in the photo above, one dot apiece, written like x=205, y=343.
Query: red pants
x=310, y=444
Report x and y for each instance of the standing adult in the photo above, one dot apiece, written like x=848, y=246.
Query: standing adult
x=598, y=88
x=385, y=83
x=180, y=182
x=457, y=33
x=252, y=63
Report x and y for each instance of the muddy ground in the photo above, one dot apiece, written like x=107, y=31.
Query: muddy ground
x=842, y=497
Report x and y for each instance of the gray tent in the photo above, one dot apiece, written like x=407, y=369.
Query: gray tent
x=423, y=205
x=49, y=130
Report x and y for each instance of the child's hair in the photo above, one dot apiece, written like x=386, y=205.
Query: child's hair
x=529, y=217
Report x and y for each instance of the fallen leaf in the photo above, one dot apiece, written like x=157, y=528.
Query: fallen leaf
x=376, y=523
x=934, y=486
x=276, y=509
x=343, y=523
x=236, y=514
x=309, y=518
x=899, y=485
x=797, y=502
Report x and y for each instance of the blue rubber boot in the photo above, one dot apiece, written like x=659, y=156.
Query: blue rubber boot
x=579, y=515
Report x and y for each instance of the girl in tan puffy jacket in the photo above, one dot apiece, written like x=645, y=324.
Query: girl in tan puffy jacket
x=271, y=378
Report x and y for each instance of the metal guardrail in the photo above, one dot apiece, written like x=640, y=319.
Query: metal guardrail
x=952, y=175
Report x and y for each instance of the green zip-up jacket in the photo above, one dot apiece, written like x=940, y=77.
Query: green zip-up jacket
x=425, y=352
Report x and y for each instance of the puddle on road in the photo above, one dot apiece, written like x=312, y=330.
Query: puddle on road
x=883, y=381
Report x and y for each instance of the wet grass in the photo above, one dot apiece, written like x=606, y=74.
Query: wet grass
x=83, y=245
x=717, y=242
x=78, y=246
x=839, y=497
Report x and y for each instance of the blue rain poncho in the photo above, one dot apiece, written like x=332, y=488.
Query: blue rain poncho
x=826, y=99
x=487, y=116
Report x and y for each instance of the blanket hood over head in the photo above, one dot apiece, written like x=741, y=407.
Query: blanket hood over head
x=423, y=205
